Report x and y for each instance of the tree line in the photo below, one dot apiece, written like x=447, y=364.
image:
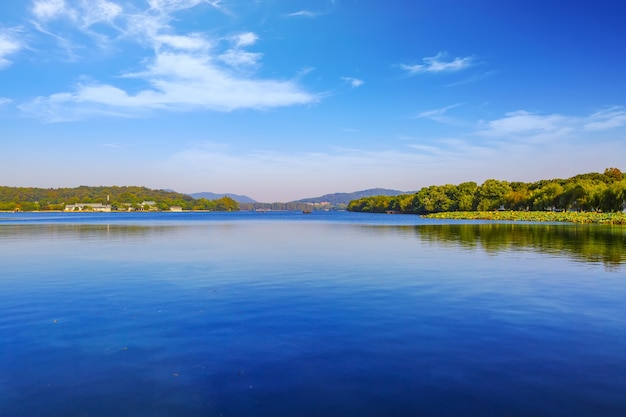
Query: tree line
x=118, y=197
x=585, y=192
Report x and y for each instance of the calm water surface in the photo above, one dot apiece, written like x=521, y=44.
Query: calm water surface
x=328, y=314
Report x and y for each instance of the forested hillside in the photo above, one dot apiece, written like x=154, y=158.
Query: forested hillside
x=585, y=192
x=119, y=198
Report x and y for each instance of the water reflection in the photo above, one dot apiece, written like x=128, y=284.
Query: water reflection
x=298, y=318
x=583, y=243
x=588, y=243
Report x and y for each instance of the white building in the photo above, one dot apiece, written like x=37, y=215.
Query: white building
x=88, y=207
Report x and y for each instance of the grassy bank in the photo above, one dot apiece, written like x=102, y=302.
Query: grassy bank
x=535, y=216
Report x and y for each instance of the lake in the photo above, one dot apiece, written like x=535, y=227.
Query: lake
x=325, y=314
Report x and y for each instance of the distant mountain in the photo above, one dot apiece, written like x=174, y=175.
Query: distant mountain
x=213, y=196
x=345, y=198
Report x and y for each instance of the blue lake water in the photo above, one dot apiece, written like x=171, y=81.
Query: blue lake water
x=327, y=314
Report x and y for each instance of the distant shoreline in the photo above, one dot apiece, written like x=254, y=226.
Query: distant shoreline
x=615, y=219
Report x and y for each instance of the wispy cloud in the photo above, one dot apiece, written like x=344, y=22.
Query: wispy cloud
x=478, y=76
x=438, y=115
x=238, y=57
x=304, y=13
x=9, y=44
x=353, y=82
x=191, y=42
x=169, y=6
x=530, y=127
x=609, y=118
x=183, y=71
x=439, y=64
x=503, y=147
x=84, y=14
x=45, y=10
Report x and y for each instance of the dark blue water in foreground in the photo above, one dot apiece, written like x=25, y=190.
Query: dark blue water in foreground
x=328, y=314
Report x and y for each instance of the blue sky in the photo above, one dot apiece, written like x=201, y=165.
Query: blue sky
x=281, y=100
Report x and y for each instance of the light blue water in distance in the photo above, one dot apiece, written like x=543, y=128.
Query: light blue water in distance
x=327, y=314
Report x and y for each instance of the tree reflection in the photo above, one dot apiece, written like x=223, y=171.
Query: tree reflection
x=589, y=243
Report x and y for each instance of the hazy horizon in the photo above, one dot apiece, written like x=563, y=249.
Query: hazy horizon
x=281, y=101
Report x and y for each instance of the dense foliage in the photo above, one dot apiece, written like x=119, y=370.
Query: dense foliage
x=536, y=216
x=586, y=192
x=120, y=198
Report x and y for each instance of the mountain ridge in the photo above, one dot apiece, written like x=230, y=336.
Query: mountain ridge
x=345, y=198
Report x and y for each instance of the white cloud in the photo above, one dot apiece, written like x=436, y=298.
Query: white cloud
x=51, y=9
x=438, y=64
x=4, y=100
x=189, y=42
x=8, y=45
x=353, y=82
x=245, y=39
x=607, y=119
x=182, y=71
x=179, y=82
x=100, y=11
x=530, y=126
x=237, y=58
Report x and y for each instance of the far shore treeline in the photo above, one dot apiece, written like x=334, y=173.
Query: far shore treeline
x=592, y=192
x=117, y=198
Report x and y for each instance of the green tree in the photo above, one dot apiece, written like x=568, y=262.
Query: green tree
x=548, y=197
x=614, y=197
x=226, y=204
x=466, y=192
x=490, y=195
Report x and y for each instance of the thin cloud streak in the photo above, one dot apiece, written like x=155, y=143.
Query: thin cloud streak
x=438, y=115
x=304, y=13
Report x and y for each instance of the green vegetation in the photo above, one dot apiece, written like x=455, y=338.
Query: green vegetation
x=592, y=192
x=535, y=216
x=119, y=198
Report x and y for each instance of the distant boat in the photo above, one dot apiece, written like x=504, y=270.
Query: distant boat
x=307, y=211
